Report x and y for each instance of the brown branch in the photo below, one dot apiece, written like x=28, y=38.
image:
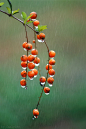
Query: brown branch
x=10, y=15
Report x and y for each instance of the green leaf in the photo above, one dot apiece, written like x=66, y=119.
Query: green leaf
x=23, y=15
x=41, y=28
x=10, y=5
x=29, y=22
x=14, y=12
x=9, y=10
x=29, y=17
x=1, y=3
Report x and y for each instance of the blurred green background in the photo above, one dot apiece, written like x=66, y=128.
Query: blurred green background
x=65, y=106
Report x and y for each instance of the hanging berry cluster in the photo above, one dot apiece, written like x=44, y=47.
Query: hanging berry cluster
x=31, y=59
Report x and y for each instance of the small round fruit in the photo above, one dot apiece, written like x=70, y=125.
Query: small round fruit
x=46, y=90
x=52, y=54
x=24, y=64
x=35, y=113
x=24, y=44
x=24, y=58
x=52, y=62
x=23, y=82
x=34, y=15
x=35, y=72
x=42, y=35
x=38, y=37
x=51, y=72
x=48, y=65
x=31, y=65
x=36, y=60
x=34, y=52
x=28, y=46
x=42, y=79
x=36, y=23
x=30, y=58
x=31, y=74
x=50, y=80
x=24, y=73
x=34, y=41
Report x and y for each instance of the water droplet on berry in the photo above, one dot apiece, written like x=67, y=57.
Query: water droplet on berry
x=36, y=64
x=50, y=85
x=31, y=78
x=25, y=49
x=47, y=93
x=42, y=83
x=23, y=67
x=35, y=76
x=22, y=86
x=51, y=75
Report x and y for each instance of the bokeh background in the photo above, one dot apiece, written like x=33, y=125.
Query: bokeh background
x=65, y=106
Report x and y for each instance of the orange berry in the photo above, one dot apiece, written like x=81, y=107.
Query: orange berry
x=36, y=23
x=52, y=62
x=50, y=80
x=28, y=20
x=33, y=41
x=23, y=82
x=34, y=52
x=28, y=46
x=35, y=72
x=31, y=74
x=24, y=58
x=30, y=58
x=42, y=79
x=24, y=44
x=42, y=35
x=52, y=54
x=24, y=64
x=51, y=71
x=35, y=113
x=38, y=37
x=46, y=90
x=50, y=66
x=34, y=15
x=31, y=65
x=23, y=73
x=36, y=60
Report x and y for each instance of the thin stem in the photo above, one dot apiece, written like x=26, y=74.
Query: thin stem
x=10, y=15
x=27, y=51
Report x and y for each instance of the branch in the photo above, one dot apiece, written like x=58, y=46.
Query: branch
x=10, y=15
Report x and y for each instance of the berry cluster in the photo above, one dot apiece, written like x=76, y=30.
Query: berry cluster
x=32, y=60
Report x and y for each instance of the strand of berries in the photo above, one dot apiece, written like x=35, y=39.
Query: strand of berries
x=32, y=60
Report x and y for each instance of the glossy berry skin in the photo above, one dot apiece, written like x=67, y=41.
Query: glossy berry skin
x=24, y=44
x=50, y=66
x=34, y=15
x=24, y=58
x=24, y=64
x=28, y=46
x=35, y=71
x=50, y=80
x=52, y=54
x=36, y=113
x=42, y=36
x=52, y=62
x=36, y=60
x=42, y=79
x=51, y=72
x=36, y=23
x=31, y=74
x=23, y=82
x=31, y=65
x=24, y=73
x=38, y=37
x=46, y=89
x=34, y=41
x=30, y=58
x=34, y=52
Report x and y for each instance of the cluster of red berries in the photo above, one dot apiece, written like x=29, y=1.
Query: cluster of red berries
x=29, y=61
x=32, y=60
